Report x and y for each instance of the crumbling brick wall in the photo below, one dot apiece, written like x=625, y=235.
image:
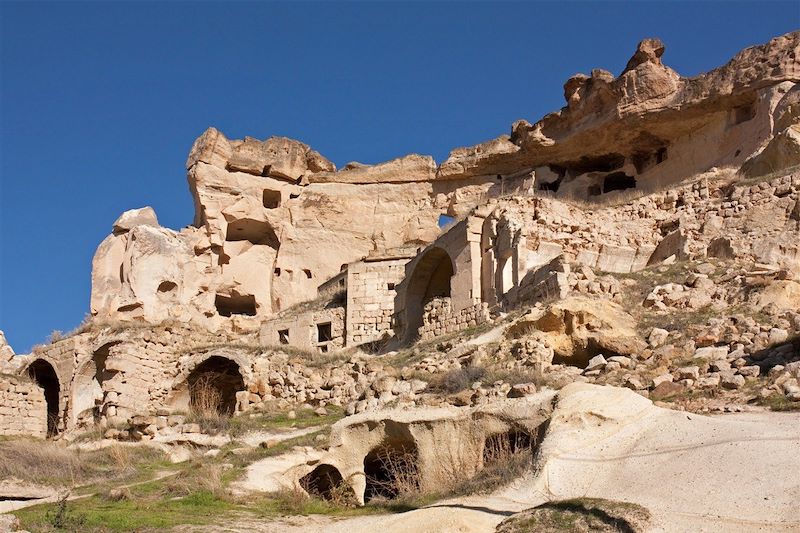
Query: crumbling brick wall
x=303, y=330
x=23, y=410
x=439, y=317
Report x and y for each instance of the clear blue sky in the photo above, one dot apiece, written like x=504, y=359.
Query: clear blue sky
x=101, y=102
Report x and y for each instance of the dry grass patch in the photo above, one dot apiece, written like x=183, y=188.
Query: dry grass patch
x=456, y=380
x=50, y=463
x=779, y=402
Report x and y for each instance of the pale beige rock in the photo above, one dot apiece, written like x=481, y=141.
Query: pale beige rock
x=277, y=157
x=447, y=440
x=268, y=243
x=781, y=294
x=404, y=169
x=128, y=220
x=783, y=151
x=629, y=123
x=6, y=351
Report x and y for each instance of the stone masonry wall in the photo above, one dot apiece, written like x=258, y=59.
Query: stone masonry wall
x=303, y=330
x=753, y=218
x=370, y=298
x=23, y=410
x=439, y=318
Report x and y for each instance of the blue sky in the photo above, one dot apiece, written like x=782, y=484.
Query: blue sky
x=100, y=102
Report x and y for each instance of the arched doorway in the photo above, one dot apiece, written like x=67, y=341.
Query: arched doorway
x=45, y=376
x=430, y=279
x=213, y=385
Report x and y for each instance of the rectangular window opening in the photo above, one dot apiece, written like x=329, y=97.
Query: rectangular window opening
x=283, y=336
x=235, y=305
x=271, y=199
x=324, y=333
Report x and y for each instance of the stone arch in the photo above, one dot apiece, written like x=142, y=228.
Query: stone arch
x=45, y=376
x=431, y=277
x=210, y=386
x=87, y=384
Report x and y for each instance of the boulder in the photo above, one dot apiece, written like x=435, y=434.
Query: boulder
x=128, y=220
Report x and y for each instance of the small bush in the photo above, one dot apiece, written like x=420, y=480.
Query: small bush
x=456, y=380
x=62, y=517
x=779, y=402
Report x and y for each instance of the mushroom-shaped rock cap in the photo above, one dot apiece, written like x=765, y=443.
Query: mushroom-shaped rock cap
x=649, y=50
x=128, y=220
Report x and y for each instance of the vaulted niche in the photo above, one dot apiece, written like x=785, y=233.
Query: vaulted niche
x=326, y=482
x=45, y=376
x=430, y=279
x=272, y=199
x=213, y=385
x=255, y=231
x=391, y=469
x=618, y=181
x=87, y=388
x=235, y=305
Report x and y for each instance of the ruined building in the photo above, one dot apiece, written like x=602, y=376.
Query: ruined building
x=286, y=250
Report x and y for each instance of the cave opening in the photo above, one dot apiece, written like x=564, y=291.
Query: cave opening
x=326, y=482
x=213, y=385
x=618, y=181
x=235, y=305
x=391, y=470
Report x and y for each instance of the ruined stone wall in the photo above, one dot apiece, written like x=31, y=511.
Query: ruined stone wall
x=371, y=290
x=322, y=330
x=757, y=220
x=440, y=318
x=274, y=219
x=23, y=410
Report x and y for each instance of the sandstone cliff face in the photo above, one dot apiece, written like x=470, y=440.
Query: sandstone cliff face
x=649, y=123
x=274, y=219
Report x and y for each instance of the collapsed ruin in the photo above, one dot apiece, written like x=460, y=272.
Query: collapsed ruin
x=285, y=251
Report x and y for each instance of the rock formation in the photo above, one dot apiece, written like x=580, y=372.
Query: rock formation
x=6, y=355
x=274, y=219
x=645, y=238
x=572, y=219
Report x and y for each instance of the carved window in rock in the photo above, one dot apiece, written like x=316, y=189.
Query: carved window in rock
x=271, y=199
x=235, y=305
